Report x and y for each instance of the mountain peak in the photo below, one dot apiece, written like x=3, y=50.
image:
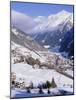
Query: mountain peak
x=64, y=12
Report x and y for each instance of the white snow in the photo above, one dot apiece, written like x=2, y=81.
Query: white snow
x=69, y=72
x=37, y=76
x=46, y=46
x=34, y=92
x=24, y=51
x=15, y=31
x=60, y=40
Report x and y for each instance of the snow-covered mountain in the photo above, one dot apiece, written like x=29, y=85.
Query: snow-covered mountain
x=25, y=40
x=40, y=23
x=47, y=31
x=53, y=22
x=52, y=32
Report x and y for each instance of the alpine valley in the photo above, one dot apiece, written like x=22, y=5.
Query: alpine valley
x=42, y=54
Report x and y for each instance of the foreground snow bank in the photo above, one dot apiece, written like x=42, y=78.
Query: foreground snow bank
x=18, y=93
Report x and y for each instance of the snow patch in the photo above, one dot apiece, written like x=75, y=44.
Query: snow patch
x=47, y=46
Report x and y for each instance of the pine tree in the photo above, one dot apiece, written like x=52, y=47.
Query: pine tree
x=48, y=91
x=44, y=85
x=48, y=84
x=53, y=84
x=31, y=85
x=40, y=90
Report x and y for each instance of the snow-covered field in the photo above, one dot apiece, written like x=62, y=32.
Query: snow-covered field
x=38, y=76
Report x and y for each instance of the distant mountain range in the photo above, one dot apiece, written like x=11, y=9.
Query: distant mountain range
x=53, y=32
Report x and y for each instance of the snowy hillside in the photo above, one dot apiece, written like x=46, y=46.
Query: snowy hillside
x=38, y=75
x=21, y=38
x=35, y=71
